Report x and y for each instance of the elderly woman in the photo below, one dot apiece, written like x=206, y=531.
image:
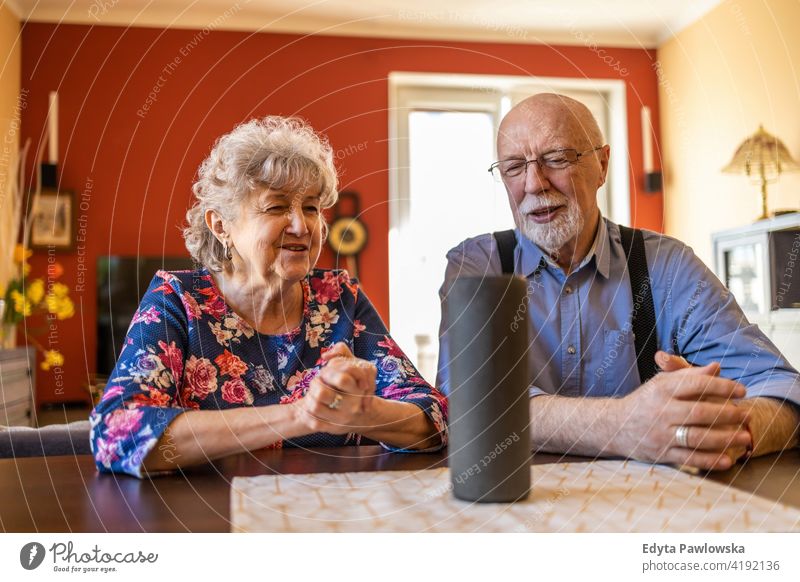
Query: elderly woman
x=257, y=348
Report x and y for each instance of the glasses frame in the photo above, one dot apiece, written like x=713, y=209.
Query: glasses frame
x=524, y=171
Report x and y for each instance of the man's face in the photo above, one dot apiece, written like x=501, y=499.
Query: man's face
x=551, y=206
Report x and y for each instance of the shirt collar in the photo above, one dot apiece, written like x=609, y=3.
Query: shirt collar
x=529, y=257
x=601, y=249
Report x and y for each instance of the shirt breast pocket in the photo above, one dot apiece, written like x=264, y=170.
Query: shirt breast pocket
x=617, y=373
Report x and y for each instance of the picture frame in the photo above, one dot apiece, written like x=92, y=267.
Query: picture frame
x=54, y=221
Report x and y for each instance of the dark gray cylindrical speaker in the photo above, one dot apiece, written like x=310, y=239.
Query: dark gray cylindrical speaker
x=489, y=450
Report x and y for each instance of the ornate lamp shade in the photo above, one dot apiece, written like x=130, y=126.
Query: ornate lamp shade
x=763, y=157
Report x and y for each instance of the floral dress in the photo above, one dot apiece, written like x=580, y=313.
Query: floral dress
x=187, y=350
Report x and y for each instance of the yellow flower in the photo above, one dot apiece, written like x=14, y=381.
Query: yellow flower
x=21, y=254
x=61, y=307
x=66, y=309
x=51, y=301
x=26, y=268
x=21, y=304
x=35, y=291
x=59, y=290
x=52, y=358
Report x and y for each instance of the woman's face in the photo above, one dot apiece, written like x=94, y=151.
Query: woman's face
x=278, y=234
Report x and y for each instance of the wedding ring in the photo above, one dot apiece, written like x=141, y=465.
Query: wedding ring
x=337, y=400
x=682, y=436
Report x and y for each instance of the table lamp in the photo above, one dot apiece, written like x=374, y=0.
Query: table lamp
x=764, y=157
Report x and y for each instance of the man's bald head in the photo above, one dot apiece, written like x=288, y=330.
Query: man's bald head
x=554, y=201
x=550, y=113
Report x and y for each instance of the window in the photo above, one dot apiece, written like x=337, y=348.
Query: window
x=442, y=140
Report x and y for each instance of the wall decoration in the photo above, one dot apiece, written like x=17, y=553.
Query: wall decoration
x=53, y=220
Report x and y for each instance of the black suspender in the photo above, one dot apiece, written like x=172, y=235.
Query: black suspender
x=644, y=312
x=506, y=241
x=643, y=318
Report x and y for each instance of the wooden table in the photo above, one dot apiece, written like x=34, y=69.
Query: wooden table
x=59, y=494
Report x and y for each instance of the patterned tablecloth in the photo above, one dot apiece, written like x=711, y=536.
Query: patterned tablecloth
x=602, y=496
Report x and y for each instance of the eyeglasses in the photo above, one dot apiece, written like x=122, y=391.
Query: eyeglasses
x=555, y=160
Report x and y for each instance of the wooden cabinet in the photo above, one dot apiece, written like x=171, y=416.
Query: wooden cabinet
x=760, y=264
x=783, y=328
x=17, y=387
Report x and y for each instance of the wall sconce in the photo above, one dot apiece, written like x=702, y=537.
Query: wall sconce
x=764, y=157
x=652, y=179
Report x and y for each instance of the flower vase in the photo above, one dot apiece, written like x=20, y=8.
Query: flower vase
x=8, y=336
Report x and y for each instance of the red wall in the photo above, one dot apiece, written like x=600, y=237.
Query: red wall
x=136, y=169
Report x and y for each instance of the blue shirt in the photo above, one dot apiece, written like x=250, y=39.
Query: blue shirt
x=186, y=349
x=580, y=324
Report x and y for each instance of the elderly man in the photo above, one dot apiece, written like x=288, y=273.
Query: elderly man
x=591, y=286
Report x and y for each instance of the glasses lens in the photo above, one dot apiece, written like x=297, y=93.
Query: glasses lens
x=559, y=160
x=512, y=168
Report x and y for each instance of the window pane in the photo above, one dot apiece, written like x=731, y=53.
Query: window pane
x=451, y=197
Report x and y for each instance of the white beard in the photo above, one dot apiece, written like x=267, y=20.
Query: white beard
x=553, y=235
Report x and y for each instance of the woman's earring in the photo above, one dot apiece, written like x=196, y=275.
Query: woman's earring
x=227, y=251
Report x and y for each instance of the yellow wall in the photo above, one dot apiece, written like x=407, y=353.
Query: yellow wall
x=736, y=67
x=9, y=123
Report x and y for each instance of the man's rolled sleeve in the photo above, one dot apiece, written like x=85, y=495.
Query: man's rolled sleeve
x=711, y=327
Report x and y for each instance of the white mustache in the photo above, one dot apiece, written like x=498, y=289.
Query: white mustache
x=541, y=202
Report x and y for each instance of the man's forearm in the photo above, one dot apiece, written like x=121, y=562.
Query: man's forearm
x=773, y=424
x=578, y=426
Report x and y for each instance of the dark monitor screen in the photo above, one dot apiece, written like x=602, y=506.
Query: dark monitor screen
x=121, y=283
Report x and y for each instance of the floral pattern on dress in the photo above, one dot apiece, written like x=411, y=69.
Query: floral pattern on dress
x=187, y=350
